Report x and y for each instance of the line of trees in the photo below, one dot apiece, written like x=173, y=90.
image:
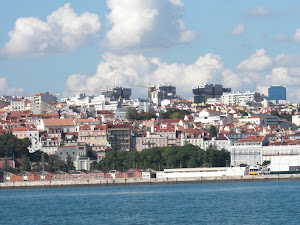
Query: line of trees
x=11, y=146
x=169, y=114
x=36, y=162
x=133, y=114
x=188, y=156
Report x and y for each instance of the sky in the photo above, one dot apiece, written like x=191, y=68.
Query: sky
x=85, y=46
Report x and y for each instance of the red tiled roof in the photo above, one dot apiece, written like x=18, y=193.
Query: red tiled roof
x=251, y=139
x=260, y=117
x=58, y=122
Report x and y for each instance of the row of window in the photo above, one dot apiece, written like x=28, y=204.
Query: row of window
x=26, y=135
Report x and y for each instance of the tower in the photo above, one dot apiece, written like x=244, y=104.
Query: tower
x=277, y=93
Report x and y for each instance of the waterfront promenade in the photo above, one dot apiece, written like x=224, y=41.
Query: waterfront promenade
x=145, y=181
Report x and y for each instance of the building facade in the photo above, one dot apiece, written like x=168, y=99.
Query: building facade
x=205, y=91
x=277, y=93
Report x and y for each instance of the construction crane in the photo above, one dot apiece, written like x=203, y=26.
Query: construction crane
x=143, y=86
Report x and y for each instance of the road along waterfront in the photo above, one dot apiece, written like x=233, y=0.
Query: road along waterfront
x=145, y=181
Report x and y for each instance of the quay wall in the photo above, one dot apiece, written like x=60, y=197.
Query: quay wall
x=145, y=181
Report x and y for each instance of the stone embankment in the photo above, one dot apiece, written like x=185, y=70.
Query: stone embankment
x=144, y=181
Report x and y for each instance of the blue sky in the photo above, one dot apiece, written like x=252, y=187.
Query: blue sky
x=71, y=46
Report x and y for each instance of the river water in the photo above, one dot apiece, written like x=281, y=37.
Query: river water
x=218, y=203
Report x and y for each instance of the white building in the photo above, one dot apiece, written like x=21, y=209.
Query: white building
x=202, y=172
x=219, y=143
x=49, y=145
x=248, y=150
x=282, y=157
x=78, y=99
x=237, y=98
x=31, y=134
x=67, y=125
x=261, y=119
x=17, y=105
x=41, y=102
x=296, y=119
x=210, y=116
x=98, y=102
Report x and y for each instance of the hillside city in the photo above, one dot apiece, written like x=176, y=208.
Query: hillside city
x=82, y=131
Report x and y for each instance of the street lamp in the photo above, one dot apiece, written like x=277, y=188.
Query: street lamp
x=180, y=165
x=158, y=166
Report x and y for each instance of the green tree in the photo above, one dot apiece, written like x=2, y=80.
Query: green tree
x=286, y=117
x=274, y=113
x=213, y=131
x=36, y=156
x=70, y=163
x=147, y=116
x=174, y=114
x=26, y=164
x=243, y=112
x=132, y=113
x=6, y=166
x=11, y=146
x=55, y=163
x=165, y=157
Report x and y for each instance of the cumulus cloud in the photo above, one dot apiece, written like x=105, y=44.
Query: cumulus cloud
x=258, y=11
x=297, y=35
x=282, y=76
x=62, y=32
x=7, y=90
x=137, y=69
x=146, y=24
x=259, y=61
x=285, y=60
x=232, y=79
x=239, y=29
x=253, y=74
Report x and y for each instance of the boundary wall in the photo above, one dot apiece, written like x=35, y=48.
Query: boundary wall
x=145, y=181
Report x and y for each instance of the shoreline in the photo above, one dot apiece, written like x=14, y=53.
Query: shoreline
x=105, y=182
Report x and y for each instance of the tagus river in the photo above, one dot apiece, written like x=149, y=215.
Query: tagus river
x=221, y=203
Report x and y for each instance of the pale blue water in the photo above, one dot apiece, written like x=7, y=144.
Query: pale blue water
x=223, y=203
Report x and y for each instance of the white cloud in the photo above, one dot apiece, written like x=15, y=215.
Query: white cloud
x=285, y=60
x=254, y=74
x=297, y=35
x=258, y=11
x=63, y=31
x=137, y=69
x=259, y=61
x=6, y=90
x=232, y=80
x=239, y=29
x=282, y=76
x=152, y=24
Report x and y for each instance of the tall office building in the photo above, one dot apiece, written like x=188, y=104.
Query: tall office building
x=205, y=91
x=157, y=93
x=277, y=93
x=115, y=93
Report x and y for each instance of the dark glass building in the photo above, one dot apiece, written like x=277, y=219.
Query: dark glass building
x=163, y=92
x=277, y=93
x=205, y=91
x=115, y=93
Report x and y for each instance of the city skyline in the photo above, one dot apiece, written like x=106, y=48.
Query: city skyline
x=70, y=46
